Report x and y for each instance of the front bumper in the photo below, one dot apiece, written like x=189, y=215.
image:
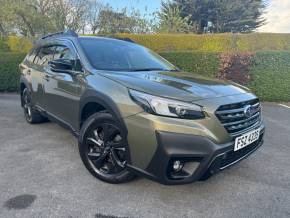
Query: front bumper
x=203, y=155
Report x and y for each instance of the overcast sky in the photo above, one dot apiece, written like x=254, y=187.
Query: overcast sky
x=278, y=17
x=278, y=12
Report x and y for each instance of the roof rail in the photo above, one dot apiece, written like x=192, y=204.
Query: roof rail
x=64, y=33
x=124, y=39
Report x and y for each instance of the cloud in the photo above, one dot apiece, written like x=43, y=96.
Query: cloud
x=278, y=17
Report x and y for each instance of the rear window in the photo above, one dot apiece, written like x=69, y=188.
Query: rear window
x=63, y=52
x=44, y=55
x=30, y=57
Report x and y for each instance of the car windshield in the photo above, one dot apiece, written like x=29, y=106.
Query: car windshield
x=117, y=55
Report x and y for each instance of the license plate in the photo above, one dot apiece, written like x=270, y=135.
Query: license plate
x=246, y=139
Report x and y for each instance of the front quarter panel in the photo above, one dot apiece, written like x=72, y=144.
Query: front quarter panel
x=112, y=95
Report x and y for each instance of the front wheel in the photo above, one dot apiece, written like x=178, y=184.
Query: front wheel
x=103, y=148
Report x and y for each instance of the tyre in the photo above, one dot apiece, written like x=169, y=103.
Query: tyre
x=31, y=115
x=103, y=147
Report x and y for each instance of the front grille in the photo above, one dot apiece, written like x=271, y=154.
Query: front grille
x=234, y=118
x=233, y=156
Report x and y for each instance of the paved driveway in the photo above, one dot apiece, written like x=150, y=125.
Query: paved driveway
x=41, y=175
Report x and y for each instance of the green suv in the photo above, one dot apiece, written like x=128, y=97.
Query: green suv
x=134, y=113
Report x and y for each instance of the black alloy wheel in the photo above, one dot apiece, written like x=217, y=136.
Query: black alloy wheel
x=31, y=114
x=103, y=149
x=26, y=99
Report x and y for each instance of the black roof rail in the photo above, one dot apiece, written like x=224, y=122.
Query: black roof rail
x=62, y=33
x=125, y=39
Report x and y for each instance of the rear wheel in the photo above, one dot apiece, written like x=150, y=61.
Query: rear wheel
x=103, y=149
x=31, y=115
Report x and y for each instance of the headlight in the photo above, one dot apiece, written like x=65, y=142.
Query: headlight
x=167, y=107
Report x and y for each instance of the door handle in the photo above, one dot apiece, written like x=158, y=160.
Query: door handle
x=47, y=77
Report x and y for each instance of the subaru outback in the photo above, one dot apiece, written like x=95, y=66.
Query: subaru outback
x=134, y=113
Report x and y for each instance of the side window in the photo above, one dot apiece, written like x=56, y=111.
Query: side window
x=44, y=55
x=63, y=52
x=30, y=57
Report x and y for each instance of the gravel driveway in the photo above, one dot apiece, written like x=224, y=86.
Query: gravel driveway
x=41, y=175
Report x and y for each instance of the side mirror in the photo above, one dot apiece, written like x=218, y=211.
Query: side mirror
x=62, y=65
x=78, y=65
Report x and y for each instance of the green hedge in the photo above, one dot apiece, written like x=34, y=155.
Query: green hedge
x=271, y=76
x=184, y=42
x=263, y=42
x=202, y=63
x=9, y=71
x=3, y=45
x=270, y=72
x=212, y=42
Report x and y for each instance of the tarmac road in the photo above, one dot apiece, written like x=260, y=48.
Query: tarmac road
x=41, y=175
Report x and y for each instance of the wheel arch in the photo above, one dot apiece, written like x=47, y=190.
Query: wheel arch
x=95, y=101
x=93, y=97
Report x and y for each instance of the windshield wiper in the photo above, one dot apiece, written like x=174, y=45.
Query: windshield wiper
x=174, y=70
x=146, y=69
x=152, y=69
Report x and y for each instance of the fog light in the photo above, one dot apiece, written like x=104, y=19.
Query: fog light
x=177, y=166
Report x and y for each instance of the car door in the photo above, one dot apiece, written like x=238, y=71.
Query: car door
x=62, y=89
x=43, y=55
x=27, y=70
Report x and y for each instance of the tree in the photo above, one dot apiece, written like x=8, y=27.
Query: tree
x=24, y=16
x=110, y=22
x=95, y=6
x=69, y=14
x=225, y=15
x=43, y=16
x=238, y=16
x=5, y=18
x=171, y=21
x=38, y=17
